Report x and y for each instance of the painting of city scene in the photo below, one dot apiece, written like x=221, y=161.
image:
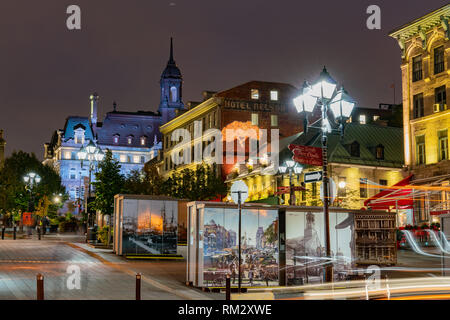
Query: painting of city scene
x=151, y=228
x=305, y=246
x=259, y=247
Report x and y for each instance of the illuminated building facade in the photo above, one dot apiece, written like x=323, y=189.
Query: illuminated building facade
x=133, y=137
x=424, y=45
x=360, y=164
x=255, y=104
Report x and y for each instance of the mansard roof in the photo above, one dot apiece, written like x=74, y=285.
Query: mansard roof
x=125, y=124
x=74, y=122
x=367, y=135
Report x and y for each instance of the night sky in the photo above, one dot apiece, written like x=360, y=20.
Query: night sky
x=48, y=72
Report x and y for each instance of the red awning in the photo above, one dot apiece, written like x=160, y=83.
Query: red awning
x=393, y=196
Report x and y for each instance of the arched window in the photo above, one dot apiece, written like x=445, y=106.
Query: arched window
x=173, y=94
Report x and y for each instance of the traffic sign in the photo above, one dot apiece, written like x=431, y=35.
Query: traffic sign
x=314, y=176
x=237, y=187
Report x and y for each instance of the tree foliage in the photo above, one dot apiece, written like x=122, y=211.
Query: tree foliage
x=109, y=182
x=203, y=183
x=14, y=196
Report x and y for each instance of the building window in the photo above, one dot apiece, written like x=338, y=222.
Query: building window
x=254, y=93
x=354, y=149
x=274, y=95
x=375, y=118
x=342, y=191
x=440, y=98
x=274, y=120
x=420, y=149
x=142, y=159
x=418, y=106
x=73, y=174
x=314, y=190
x=363, y=187
x=362, y=119
x=438, y=59
x=254, y=119
x=67, y=155
x=443, y=144
x=136, y=159
x=123, y=158
x=130, y=139
x=417, y=68
x=379, y=152
x=116, y=139
x=173, y=94
x=143, y=141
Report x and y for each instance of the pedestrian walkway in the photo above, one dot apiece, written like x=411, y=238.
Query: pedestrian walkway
x=102, y=275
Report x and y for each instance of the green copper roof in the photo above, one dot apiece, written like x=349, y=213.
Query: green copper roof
x=367, y=135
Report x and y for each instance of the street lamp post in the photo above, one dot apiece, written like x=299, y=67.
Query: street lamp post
x=324, y=93
x=290, y=166
x=92, y=153
x=31, y=179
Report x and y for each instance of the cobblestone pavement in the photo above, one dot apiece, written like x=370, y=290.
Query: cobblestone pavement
x=103, y=275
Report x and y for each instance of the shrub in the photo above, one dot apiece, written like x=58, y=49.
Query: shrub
x=102, y=234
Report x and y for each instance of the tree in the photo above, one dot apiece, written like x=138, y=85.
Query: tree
x=109, y=182
x=14, y=197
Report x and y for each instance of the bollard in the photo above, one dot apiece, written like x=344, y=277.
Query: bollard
x=3, y=233
x=14, y=232
x=39, y=233
x=228, y=288
x=138, y=286
x=40, y=286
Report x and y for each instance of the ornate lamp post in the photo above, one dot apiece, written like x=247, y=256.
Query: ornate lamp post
x=290, y=166
x=92, y=153
x=324, y=93
x=31, y=180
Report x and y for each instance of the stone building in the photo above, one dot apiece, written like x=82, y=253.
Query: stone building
x=425, y=46
x=360, y=164
x=133, y=137
x=255, y=104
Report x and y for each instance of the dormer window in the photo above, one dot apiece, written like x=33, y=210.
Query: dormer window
x=354, y=149
x=143, y=140
x=379, y=152
x=79, y=135
x=254, y=94
x=130, y=139
x=116, y=139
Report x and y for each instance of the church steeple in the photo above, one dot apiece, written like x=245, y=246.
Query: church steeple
x=171, y=51
x=171, y=89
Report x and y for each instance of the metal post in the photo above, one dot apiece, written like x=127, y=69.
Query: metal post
x=295, y=265
x=3, y=232
x=239, y=235
x=14, y=232
x=40, y=286
x=291, y=192
x=227, y=288
x=138, y=286
x=39, y=232
x=329, y=267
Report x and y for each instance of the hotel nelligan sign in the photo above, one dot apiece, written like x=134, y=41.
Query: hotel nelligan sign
x=253, y=106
